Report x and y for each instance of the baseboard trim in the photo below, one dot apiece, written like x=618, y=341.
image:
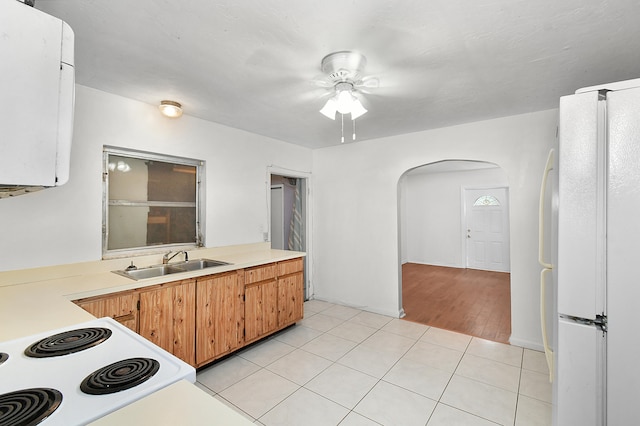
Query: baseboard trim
x=528, y=344
x=394, y=314
x=434, y=264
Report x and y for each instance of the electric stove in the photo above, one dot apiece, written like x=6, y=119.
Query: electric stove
x=77, y=374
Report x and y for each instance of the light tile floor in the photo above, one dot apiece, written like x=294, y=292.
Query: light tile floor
x=343, y=366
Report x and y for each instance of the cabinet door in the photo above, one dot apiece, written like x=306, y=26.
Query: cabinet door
x=120, y=306
x=290, y=299
x=184, y=321
x=260, y=307
x=156, y=315
x=166, y=318
x=219, y=315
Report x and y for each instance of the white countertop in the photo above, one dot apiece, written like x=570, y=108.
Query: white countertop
x=195, y=408
x=38, y=300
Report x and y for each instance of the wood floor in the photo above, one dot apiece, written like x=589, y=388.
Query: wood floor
x=477, y=303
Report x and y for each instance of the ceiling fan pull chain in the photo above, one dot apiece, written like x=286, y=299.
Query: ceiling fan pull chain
x=354, y=128
x=342, y=120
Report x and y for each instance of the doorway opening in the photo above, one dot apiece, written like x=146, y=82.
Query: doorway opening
x=454, y=247
x=288, y=217
x=278, y=220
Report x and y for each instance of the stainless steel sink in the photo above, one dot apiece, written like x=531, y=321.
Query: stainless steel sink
x=150, y=272
x=194, y=265
x=174, y=268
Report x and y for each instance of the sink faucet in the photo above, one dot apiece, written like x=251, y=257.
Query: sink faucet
x=166, y=258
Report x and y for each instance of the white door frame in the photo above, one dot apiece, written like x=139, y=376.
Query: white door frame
x=307, y=200
x=463, y=220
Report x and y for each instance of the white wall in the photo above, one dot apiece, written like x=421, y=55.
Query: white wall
x=432, y=213
x=356, y=236
x=63, y=225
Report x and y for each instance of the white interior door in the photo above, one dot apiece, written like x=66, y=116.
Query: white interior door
x=277, y=217
x=487, y=229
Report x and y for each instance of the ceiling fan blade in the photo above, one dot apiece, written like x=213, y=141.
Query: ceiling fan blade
x=368, y=82
x=322, y=81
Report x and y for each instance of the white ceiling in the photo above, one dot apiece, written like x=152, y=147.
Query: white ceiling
x=249, y=64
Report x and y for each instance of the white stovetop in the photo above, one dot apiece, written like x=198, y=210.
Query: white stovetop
x=65, y=373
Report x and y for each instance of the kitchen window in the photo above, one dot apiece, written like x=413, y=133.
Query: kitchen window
x=150, y=201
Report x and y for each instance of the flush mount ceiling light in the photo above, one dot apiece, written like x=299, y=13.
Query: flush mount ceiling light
x=170, y=109
x=120, y=166
x=343, y=75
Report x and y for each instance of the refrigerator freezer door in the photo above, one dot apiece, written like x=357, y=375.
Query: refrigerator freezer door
x=580, y=209
x=623, y=240
x=580, y=375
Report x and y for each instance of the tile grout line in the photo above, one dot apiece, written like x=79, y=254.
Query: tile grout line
x=378, y=379
x=515, y=413
x=439, y=401
x=333, y=362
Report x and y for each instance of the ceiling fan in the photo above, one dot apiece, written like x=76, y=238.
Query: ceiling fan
x=343, y=74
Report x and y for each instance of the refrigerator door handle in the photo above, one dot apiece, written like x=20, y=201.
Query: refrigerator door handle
x=543, y=190
x=548, y=267
x=548, y=353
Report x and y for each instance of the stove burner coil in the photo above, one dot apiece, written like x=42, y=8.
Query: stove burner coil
x=119, y=376
x=3, y=357
x=28, y=407
x=68, y=342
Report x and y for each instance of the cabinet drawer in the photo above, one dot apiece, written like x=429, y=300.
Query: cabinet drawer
x=290, y=266
x=259, y=273
x=122, y=307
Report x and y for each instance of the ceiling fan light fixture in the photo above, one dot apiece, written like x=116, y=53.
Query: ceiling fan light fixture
x=329, y=109
x=170, y=109
x=357, y=109
x=344, y=101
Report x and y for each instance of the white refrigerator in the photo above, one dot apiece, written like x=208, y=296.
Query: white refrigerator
x=597, y=346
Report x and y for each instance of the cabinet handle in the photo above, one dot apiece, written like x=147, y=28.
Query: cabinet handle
x=123, y=318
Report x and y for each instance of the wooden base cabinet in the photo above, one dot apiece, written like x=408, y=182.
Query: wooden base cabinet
x=202, y=319
x=219, y=315
x=167, y=317
x=290, y=292
x=122, y=307
x=261, y=301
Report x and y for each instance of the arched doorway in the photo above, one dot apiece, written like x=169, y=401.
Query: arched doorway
x=435, y=230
